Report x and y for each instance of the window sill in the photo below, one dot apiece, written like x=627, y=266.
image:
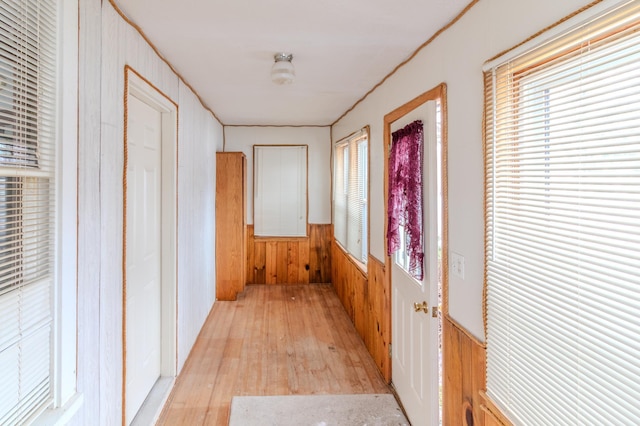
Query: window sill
x=62, y=415
x=492, y=411
x=357, y=263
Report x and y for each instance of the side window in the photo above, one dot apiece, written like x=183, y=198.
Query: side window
x=28, y=52
x=562, y=160
x=350, y=194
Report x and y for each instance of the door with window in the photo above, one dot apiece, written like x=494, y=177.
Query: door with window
x=415, y=268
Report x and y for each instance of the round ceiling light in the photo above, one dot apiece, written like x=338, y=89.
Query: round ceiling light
x=282, y=71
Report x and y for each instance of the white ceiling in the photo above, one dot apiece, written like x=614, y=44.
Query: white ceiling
x=341, y=48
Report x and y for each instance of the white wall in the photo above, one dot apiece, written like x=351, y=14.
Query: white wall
x=456, y=58
x=319, y=152
x=107, y=44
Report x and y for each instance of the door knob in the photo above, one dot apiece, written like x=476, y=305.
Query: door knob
x=421, y=307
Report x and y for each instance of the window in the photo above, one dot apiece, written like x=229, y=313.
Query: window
x=404, y=210
x=350, y=194
x=28, y=55
x=563, y=225
x=280, y=191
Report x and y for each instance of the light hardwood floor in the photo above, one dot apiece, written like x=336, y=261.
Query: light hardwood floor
x=274, y=340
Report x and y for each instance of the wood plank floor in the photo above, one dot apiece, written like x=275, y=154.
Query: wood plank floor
x=274, y=340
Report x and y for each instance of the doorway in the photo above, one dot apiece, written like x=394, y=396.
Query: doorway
x=416, y=304
x=149, y=284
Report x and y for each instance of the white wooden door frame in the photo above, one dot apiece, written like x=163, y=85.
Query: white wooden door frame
x=143, y=90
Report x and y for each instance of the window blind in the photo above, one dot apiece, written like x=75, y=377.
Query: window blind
x=28, y=37
x=350, y=194
x=280, y=191
x=563, y=226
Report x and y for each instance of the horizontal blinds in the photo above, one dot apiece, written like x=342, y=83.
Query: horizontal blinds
x=340, y=191
x=563, y=227
x=350, y=194
x=28, y=37
x=280, y=191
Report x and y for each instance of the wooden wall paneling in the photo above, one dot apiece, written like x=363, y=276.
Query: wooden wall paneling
x=320, y=237
x=367, y=301
x=111, y=292
x=271, y=262
x=289, y=260
x=490, y=419
x=250, y=271
x=360, y=300
x=493, y=416
x=304, y=273
x=199, y=137
x=111, y=202
x=293, y=251
x=89, y=213
x=260, y=268
x=282, y=262
x=379, y=324
x=106, y=43
x=464, y=360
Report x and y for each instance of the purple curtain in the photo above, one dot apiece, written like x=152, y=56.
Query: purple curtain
x=405, y=195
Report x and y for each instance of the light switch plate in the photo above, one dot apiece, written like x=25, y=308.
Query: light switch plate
x=456, y=262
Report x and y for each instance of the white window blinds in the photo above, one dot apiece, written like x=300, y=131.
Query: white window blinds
x=350, y=166
x=280, y=191
x=563, y=227
x=28, y=37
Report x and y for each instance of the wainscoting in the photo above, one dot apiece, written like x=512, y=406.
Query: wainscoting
x=367, y=301
x=290, y=260
x=464, y=360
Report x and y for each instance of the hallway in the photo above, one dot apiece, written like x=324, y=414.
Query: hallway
x=274, y=340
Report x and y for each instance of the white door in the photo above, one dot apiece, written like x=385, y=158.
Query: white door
x=415, y=369
x=143, y=242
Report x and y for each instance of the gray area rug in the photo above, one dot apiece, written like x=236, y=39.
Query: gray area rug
x=316, y=410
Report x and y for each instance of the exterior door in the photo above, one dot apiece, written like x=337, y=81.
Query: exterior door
x=143, y=253
x=415, y=349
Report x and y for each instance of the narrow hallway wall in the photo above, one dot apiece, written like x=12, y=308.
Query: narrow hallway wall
x=107, y=44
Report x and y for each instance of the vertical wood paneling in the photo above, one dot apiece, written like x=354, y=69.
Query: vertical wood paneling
x=367, y=302
x=289, y=260
x=271, y=262
x=293, y=261
x=89, y=214
x=199, y=136
x=111, y=290
x=303, y=260
x=378, y=335
x=320, y=237
x=107, y=44
x=464, y=360
x=281, y=262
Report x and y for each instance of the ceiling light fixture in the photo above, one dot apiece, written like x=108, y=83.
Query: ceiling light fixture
x=282, y=71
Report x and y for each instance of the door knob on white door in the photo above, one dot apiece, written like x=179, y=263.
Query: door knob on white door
x=421, y=307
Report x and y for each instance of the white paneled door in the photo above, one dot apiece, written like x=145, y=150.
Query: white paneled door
x=415, y=368
x=143, y=253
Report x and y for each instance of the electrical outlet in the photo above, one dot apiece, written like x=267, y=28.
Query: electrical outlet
x=456, y=262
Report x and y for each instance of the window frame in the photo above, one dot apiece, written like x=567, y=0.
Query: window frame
x=537, y=52
x=304, y=197
x=357, y=138
x=63, y=398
